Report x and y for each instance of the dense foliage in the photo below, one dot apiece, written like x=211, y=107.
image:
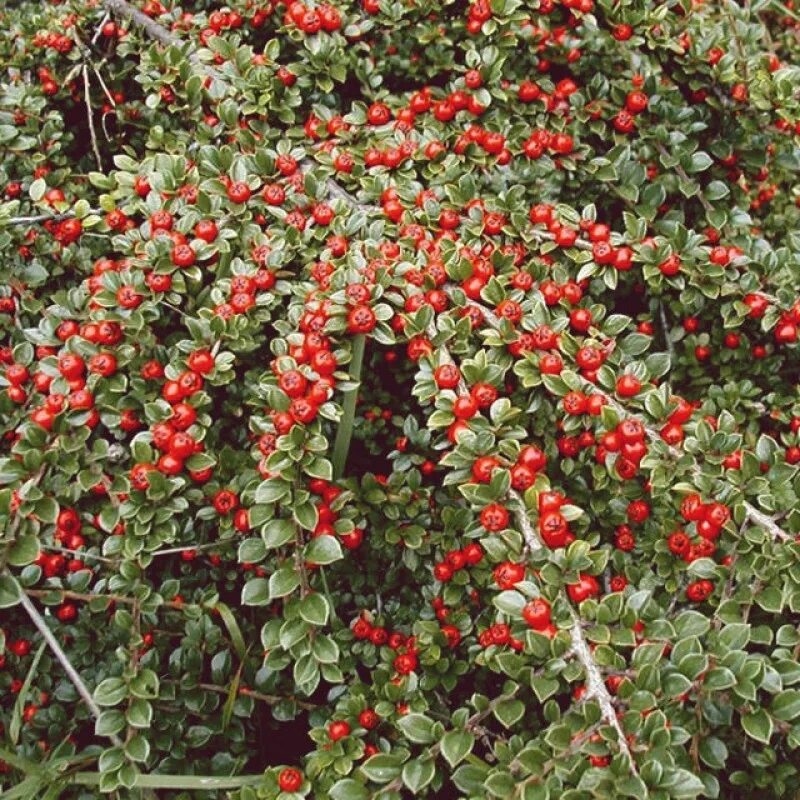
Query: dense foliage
x=399, y=399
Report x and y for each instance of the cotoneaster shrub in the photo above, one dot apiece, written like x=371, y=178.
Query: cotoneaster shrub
x=400, y=400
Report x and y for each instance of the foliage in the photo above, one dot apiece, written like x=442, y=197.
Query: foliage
x=400, y=399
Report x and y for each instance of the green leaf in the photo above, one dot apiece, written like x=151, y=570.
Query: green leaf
x=544, y=687
x=110, y=692
x=278, y=532
x=786, y=705
x=510, y=602
x=37, y=189
x=255, y=592
x=138, y=748
x=713, y=752
x=418, y=773
x=109, y=723
x=456, y=745
x=680, y=783
x=699, y=162
x=272, y=490
x=509, y=711
x=139, y=713
x=382, y=767
x=758, y=725
x=319, y=467
x=417, y=727
x=691, y=623
x=314, y=610
x=9, y=591
x=252, y=551
x=323, y=550
x=348, y=789
x=283, y=582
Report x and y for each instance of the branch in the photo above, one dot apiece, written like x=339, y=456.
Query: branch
x=61, y=657
x=38, y=218
x=596, y=687
x=762, y=519
x=82, y=597
x=753, y=513
x=150, y=26
x=90, y=118
x=272, y=699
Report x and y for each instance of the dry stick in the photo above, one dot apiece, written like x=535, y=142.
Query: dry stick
x=90, y=117
x=61, y=656
x=737, y=39
x=99, y=29
x=150, y=26
x=38, y=218
x=271, y=699
x=84, y=597
x=665, y=327
x=595, y=685
x=762, y=519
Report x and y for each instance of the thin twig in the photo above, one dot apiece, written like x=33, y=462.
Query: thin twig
x=99, y=29
x=83, y=597
x=762, y=519
x=150, y=26
x=61, y=656
x=37, y=219
x=90, y=117
x=272, y=699
x=665, y=328
x=596, y=687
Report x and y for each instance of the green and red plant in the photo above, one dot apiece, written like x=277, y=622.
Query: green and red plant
x=400, y=400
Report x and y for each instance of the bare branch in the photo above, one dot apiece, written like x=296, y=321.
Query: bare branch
x=61, y=657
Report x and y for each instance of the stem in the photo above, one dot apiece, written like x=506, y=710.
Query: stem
x=150, y=26
x=762, y=519
x=176, y=782
x=90, y=117
x=345, y=431
x=61, y=656
x=270, y=699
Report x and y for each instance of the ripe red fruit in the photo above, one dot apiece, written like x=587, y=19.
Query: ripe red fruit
x=239, y=192
x=290, y=780
x=183, y=255
x=368, y=719
x=361, y=319
x=699, y=591
x=483, y=468
x=494, y=517
x=636, y=102
x=536, y=614
x=338, y=730
x=628, y=386
x=585, y=588
x=443, y=572
x=225, y=501
x=447, y=376
x=508, y=574
x=671, y=266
